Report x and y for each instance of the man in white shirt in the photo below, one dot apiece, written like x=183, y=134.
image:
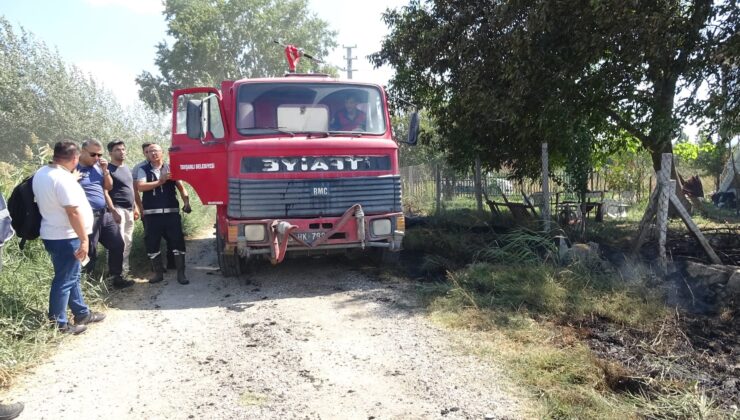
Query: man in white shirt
x=66, y=222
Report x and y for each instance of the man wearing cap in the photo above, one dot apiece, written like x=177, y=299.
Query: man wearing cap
x=162, y=212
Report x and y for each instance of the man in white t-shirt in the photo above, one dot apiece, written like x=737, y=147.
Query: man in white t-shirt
x=66, y=222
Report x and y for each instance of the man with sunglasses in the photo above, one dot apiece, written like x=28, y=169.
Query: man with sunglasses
x=96, y=181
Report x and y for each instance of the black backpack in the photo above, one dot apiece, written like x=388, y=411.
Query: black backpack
x=24, y=212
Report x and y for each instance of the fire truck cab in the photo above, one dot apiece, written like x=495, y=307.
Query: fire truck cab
x=301, y=163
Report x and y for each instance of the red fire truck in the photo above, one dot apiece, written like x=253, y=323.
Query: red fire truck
x=301, y=163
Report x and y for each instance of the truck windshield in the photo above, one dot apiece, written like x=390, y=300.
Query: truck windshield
x=331, y=108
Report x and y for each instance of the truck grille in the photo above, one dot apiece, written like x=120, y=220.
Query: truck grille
x=285, y=198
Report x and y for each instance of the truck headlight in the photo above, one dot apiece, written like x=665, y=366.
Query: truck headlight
x=254, y=233
x=382, y=227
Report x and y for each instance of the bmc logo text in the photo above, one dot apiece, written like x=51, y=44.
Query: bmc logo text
x=321, y=191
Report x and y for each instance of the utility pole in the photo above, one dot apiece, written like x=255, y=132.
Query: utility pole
x=349, y=59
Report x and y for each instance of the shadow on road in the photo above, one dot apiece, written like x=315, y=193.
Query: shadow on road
x=295, y=278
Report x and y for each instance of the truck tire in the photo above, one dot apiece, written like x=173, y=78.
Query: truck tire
x=227, y=263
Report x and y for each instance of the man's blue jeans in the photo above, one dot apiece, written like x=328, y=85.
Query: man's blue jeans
x=65, y=288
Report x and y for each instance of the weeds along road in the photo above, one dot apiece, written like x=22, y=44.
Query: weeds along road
x=311, y=338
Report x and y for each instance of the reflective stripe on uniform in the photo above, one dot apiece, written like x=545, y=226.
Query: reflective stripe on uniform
x=161, y=211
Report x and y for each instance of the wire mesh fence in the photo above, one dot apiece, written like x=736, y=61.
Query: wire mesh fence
x=430, y=185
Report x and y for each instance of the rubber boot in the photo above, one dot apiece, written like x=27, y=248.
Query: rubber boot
x=170, y=260
x=180, y=264
x=158, y=269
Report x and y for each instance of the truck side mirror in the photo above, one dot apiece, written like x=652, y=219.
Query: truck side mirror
x=205, y=117
x=193, y=120
x=413, y=129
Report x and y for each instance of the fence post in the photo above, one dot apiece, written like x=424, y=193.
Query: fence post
x=545, y=189
x=664, y=192
x=437, y=188
x=478, y=186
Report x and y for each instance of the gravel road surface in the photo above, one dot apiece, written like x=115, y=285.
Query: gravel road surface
x=313, y=338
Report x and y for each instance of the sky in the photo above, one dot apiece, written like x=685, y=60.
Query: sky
x=115, y=40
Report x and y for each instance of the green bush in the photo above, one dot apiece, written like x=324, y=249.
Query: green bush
x=24, y=302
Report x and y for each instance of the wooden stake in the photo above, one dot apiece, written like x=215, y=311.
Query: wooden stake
x=694, y=229
x=662, y=197
x=664, y=192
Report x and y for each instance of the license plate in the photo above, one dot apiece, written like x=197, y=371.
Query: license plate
x=309, y=237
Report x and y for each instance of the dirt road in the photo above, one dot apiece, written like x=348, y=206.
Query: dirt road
x=311, y=338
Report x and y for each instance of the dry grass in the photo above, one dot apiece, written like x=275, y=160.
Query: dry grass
x=526, y=306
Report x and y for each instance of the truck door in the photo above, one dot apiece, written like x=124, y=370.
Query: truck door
x=199, y=143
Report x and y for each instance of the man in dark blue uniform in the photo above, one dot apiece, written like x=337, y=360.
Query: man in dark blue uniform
x=137, y=197
x=96, y=180
x=162, y=213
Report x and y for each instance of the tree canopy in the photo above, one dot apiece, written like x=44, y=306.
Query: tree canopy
x=46, y=100
x=229, y=40
x=501, y=76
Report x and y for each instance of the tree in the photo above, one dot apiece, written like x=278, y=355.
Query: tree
x=502, y=76
x=628, y=170
x=229, y=40
x=47, y=100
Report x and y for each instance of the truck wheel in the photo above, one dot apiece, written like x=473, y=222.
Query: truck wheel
x=228, y=263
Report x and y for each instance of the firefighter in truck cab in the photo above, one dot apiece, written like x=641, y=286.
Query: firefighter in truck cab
x=162, y=213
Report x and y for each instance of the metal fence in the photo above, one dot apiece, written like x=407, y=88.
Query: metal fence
x=421, y=182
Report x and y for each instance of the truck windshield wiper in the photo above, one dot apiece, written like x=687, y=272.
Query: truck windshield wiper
x=317, y=134
x=346, y=133
x=278, y=129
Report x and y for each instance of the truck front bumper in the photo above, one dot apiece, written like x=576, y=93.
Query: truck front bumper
x=353, y=229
